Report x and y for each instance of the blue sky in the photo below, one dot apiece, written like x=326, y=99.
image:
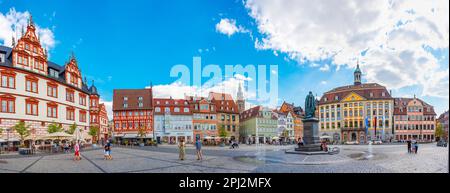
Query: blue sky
x=129, y=45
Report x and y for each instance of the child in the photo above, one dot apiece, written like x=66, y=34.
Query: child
x=77, y=152
x=106, y=152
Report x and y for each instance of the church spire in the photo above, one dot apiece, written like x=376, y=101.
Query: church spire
x=240, y=99
x=240, y=94
x=31, y=23
x=357, y=74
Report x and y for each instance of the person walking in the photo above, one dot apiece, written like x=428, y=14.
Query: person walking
x=77, y=151
x=409, y=145
x=416, y=147
x=198, y=147
x=109, y=145
x=182, y=147
x=413, y=145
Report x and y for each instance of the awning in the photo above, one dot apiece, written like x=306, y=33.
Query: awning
x=130, y=136
x=325, y=137
x=148, y=136
x=118, y=135
x=2, y=140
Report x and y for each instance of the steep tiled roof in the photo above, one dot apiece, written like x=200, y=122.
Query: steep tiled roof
x=224, y=102
x=50, y=64
x=132, y=99
x=249, y=113
x=370, y=91
x=401, y=106
x=170, y=103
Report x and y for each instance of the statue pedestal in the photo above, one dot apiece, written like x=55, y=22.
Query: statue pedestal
x=311, y=138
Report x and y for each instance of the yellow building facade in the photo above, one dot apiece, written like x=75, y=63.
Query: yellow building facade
x=356, y=113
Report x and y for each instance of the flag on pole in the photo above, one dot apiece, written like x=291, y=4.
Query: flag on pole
x=366, y=122
x=375, y=126
x=384, y=127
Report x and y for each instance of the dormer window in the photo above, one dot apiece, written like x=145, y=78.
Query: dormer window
x=125, y=98
x=383, y=94
x=371, y=94
x=140, y=98
x=125, y=105
x=53, y=73
x=2, y=57
x=167, y=102
x=336, y=97
x=325, y=99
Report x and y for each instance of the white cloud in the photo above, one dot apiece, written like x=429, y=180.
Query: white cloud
x=229, y=27
x=325, y=68
x=323, y=82
x=179, y=90
x=393, y=33
x=108, y=106
x=11, y=25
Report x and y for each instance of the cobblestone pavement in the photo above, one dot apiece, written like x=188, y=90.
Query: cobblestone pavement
x=253, y=159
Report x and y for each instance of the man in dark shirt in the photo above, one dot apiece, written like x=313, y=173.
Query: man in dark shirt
x=409, y=146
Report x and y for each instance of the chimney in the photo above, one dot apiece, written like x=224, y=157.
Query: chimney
x=390, y=92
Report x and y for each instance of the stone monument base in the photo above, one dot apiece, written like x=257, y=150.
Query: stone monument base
x=307, y=152
x=309, y=148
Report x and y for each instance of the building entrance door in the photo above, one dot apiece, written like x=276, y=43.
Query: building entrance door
x=353, y=136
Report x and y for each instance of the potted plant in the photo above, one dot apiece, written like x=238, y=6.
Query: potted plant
x=125, y=142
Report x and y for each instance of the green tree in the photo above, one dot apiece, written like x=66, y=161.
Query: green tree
x=222, y=133
x=72, y=128
x=439, y=132
x=141, y=134
x=22, y=130
x=53, y=128
x=93, y=131
x=285, y=133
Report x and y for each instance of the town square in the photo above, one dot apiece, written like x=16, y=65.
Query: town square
x=363, y=91
x=389, y=158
